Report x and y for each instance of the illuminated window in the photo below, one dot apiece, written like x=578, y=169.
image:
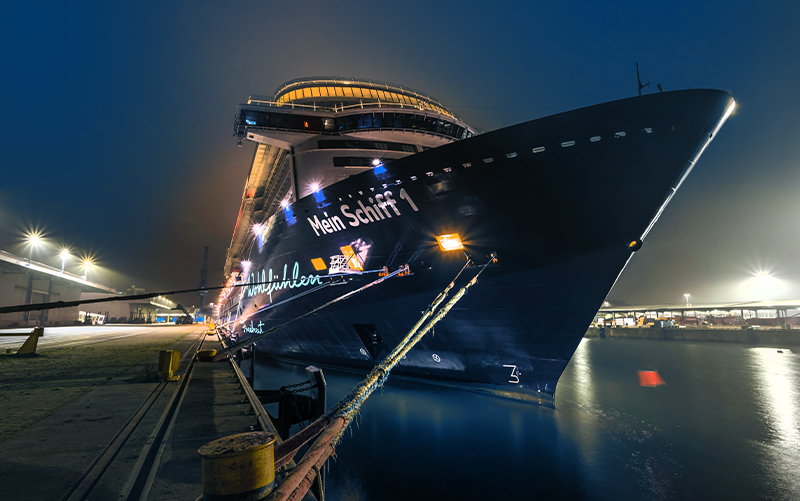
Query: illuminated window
x=357, y=92
x=488, y=160
x=511, y=155
x=539, y=149
x=594, y=139
x=306, y=92
x=567, y=144
x=339, y=92
x=315, y=91
x=382, y=96
x=620, y=134
x=348, y=91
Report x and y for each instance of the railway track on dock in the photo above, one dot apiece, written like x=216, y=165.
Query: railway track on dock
x=144, y=471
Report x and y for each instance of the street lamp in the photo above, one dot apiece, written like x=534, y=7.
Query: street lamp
x=64, y=255
x=86, y=263
x=35, y=239
x=687, y=298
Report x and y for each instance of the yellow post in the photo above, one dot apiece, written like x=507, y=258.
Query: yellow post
x=29, y=346
x=168, y=362
x=239, y=467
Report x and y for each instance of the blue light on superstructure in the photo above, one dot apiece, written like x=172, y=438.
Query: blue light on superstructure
x=290, y=219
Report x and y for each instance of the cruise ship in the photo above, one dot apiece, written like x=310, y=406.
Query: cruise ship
x=353, y=176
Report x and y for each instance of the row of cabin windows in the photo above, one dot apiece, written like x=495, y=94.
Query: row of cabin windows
x=331, y=144
x=354, y=122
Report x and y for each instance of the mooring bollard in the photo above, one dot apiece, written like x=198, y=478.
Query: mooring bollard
x=168, y=362
x=206, y=355
x=239, y=467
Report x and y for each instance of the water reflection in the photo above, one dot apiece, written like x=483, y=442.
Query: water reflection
x=725, y=426
x=778, y=399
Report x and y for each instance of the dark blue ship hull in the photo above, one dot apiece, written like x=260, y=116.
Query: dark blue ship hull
x=559, y=199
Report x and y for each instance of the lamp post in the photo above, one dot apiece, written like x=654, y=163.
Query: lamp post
x=64, y=255
x=86, y=263
x=687, y=298
x=34, y=240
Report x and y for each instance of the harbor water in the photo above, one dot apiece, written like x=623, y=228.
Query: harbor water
x=726, y=425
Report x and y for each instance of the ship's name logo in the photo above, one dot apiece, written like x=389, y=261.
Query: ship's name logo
x=251, y=329
x=383, y=206
x=267, y=282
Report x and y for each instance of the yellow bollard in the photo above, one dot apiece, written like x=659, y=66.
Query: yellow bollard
x=206, y=355
x=239, y=467
x=168, y=362
x=29, y=347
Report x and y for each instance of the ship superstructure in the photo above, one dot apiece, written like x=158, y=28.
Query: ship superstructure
x=563, y=201
x=316, y=131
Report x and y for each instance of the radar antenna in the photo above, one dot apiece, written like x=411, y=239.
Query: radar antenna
x=641, y=86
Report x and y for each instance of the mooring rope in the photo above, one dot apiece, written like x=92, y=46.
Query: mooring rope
x=294, y=486
x=252, y=339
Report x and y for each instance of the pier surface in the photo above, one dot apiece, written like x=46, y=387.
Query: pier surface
x=88, y=417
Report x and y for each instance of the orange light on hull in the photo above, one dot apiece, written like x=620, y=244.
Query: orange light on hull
x=450, y=242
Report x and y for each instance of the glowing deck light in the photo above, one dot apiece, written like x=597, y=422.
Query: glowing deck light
x=376, y=162
x=258, y=229
x=246, y=265
x=315, y=187
x=450, y=242
x=284, y=203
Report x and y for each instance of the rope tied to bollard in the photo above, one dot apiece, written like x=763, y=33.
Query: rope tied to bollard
x=329, y=434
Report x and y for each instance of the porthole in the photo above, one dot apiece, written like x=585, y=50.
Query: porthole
x=567, y=144
x=538, y=149
x=488, y=160
x=468, y=164
x=620, y=134
x=511, y=155
x=648, y=130
x=594, y=139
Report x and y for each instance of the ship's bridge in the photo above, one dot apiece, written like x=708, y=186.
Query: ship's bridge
x=333, y=92
x=317, y=131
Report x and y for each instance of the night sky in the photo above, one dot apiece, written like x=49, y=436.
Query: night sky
x=117, y=120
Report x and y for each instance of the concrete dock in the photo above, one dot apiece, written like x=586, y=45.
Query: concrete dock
x=87, y=417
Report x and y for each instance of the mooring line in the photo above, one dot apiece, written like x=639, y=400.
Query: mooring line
x=296, y=484
x=252, y=339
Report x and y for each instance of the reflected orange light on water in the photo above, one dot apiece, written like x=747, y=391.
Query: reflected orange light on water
x=650, y=379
